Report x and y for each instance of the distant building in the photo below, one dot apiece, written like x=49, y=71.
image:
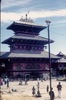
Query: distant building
x=27, y=57
x=62, y=63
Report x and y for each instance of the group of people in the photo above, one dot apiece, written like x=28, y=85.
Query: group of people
x=21, y=81
x=4, y=81
x=52, y=94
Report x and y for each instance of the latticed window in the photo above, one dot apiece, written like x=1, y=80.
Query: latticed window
x=18, y=67
x=15, y=46
x=32, y=47
x=24, y=47
x=35, y=48
x=33, y=66
x=20, y=47
x=39, y=48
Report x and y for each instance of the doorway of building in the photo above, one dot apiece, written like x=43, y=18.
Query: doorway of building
x=27, y=77
x=34, y=75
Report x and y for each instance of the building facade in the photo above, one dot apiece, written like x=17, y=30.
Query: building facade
x=27, y=57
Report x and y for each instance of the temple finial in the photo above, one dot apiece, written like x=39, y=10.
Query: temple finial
x=26, y=16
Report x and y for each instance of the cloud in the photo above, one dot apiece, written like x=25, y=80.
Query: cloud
x=6, y=17
x=48, y=13
x=11, y=3
x=59, y=22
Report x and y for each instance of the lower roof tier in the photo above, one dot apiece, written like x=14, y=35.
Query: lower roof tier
x=28, y=54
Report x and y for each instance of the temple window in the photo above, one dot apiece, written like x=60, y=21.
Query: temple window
x=33, y=66
x=18, y=66
x=24, y=47
x=29, y=47
x=35, y=48
x=12, y=40
x=20, y=47
x=15, y=46
x=32, y=48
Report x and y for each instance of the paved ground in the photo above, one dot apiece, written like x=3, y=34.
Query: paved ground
x=24, y=92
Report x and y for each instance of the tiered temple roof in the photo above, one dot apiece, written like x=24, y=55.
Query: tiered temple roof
x=62, y=59
x=25, y=33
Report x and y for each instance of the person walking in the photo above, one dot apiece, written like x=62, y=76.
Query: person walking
x=47, y=88
x=33, y=91
x=59, y=87
x=51, y=93
x=7, y=82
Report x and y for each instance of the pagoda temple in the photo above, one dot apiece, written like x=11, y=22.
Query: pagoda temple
x=27, y=57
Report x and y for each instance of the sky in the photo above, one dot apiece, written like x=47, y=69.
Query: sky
x=39, y=11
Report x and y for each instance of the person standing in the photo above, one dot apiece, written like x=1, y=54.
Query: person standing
x=25, y=81
x=47, y=88
x=33, y=91
x=59, y=87
x=51, y=93
x=7, y=82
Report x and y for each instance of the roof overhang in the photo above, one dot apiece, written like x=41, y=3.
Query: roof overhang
x=28, y=54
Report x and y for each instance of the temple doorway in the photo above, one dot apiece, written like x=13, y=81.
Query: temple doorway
x=27, y=76
x=34, y=75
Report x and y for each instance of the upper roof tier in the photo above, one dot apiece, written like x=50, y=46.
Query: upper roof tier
x=26, y=26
